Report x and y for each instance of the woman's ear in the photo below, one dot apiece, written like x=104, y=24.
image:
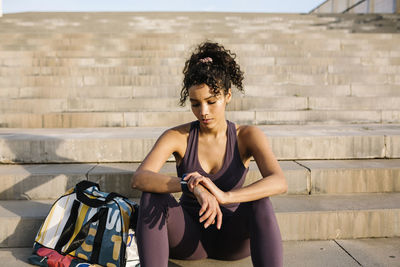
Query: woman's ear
x=228, y=96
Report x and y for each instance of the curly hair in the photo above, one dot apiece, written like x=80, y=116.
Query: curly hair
x=213, y=65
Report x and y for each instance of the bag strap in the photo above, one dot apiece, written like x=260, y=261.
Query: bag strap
x=69, y=227
x=101, y=227
x=92, y=202
x=83, y=233
x=134, y=216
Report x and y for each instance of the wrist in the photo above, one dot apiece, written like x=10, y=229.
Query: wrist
x=227, y=198
x=198, y=189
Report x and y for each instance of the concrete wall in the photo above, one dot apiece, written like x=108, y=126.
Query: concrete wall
x=368, y=6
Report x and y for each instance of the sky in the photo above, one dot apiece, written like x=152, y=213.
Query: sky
x=268, y=6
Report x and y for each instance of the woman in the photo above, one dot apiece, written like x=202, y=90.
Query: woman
x=216, y=217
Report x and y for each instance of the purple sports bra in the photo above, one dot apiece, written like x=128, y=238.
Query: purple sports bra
x=231, y=175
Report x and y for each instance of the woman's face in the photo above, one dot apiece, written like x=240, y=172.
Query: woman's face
x=208, y=108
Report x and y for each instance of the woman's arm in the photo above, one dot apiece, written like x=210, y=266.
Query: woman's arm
x=273, y=182
x=146, y=177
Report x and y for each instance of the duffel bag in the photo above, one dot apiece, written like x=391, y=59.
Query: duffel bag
x=89, y=225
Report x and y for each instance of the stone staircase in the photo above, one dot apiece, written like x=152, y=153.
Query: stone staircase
x=85, y=96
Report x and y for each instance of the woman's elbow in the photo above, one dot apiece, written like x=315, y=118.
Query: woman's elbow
x=135, y=180
x=284, y=188
x=283, y=185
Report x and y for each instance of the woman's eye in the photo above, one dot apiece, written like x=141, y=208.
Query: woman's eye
x=195, y=105
x=211, y=102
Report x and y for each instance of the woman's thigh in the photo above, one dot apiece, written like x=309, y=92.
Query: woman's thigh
x=232, y=242
x=185, y=235
x=164, y=226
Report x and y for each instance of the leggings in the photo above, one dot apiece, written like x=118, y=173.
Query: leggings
x=165, y=229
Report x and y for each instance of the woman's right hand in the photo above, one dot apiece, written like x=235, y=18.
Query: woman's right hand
x=210, y=210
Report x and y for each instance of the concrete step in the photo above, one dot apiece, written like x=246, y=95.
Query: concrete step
x=329, y=253
x=36, y=182
x=224, y=27
x=177, y=70
x=353, y=176
x=165, y=104
x=174, y=91
x=83, y=35
x=159, y=80
x=225, y=24
x=299, y=142
x=323, y=90
x=388, y=63
x=270, y=49
x=169, y=119
x=123, y=23
x=171, y=104
x=321, y=47
x=299, y=217
x=137, y=40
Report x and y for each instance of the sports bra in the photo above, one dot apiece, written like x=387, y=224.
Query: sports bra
x=230, y=176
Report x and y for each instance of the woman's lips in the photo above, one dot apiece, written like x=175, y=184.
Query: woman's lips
x=206, y=120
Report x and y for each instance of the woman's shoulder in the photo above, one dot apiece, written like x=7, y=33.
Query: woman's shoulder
x=179, y=131
x=245, y=131
x=249, y=134
x=177, y=138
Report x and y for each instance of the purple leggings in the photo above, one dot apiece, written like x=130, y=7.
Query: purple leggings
x=165, y=229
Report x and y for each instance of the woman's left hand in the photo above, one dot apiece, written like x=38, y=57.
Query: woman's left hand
x=194, y=178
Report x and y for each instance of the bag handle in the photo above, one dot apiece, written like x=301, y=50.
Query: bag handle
x=92, y=202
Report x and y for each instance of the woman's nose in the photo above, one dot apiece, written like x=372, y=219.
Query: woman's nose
x=204, y=109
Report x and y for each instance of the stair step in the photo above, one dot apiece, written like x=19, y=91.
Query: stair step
x=170, y=119
x=338, y=217
x=299, y=217
x=117, y=144
x=180, y=44
x=160, y=80
x=353, y=176
x=284, y=90
x=177, y=70
x=286, y=61
x=171, y=104
x=329, y=253
x=36, y=182
x=270, y=49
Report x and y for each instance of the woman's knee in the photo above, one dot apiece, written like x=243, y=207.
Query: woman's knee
x=263, y=206
x=154, y=199
x=154, y=208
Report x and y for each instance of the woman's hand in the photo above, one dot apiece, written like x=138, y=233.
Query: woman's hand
x=194, y=179
x=210, y=210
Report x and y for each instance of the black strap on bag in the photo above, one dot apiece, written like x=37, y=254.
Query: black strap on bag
x=83, y=233
x=134, y=216
x=94, y=203
x=69, y=227
x=98, y=239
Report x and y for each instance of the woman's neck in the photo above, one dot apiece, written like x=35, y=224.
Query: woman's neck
x=217, y=131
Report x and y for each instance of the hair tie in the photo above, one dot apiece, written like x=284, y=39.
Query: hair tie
x=206, y=60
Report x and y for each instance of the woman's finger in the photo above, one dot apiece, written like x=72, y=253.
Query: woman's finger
x=206, y=215
x=203, y=208
x=187, y=176
x=195, y=181
x=192, y=183
x=210, y=219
